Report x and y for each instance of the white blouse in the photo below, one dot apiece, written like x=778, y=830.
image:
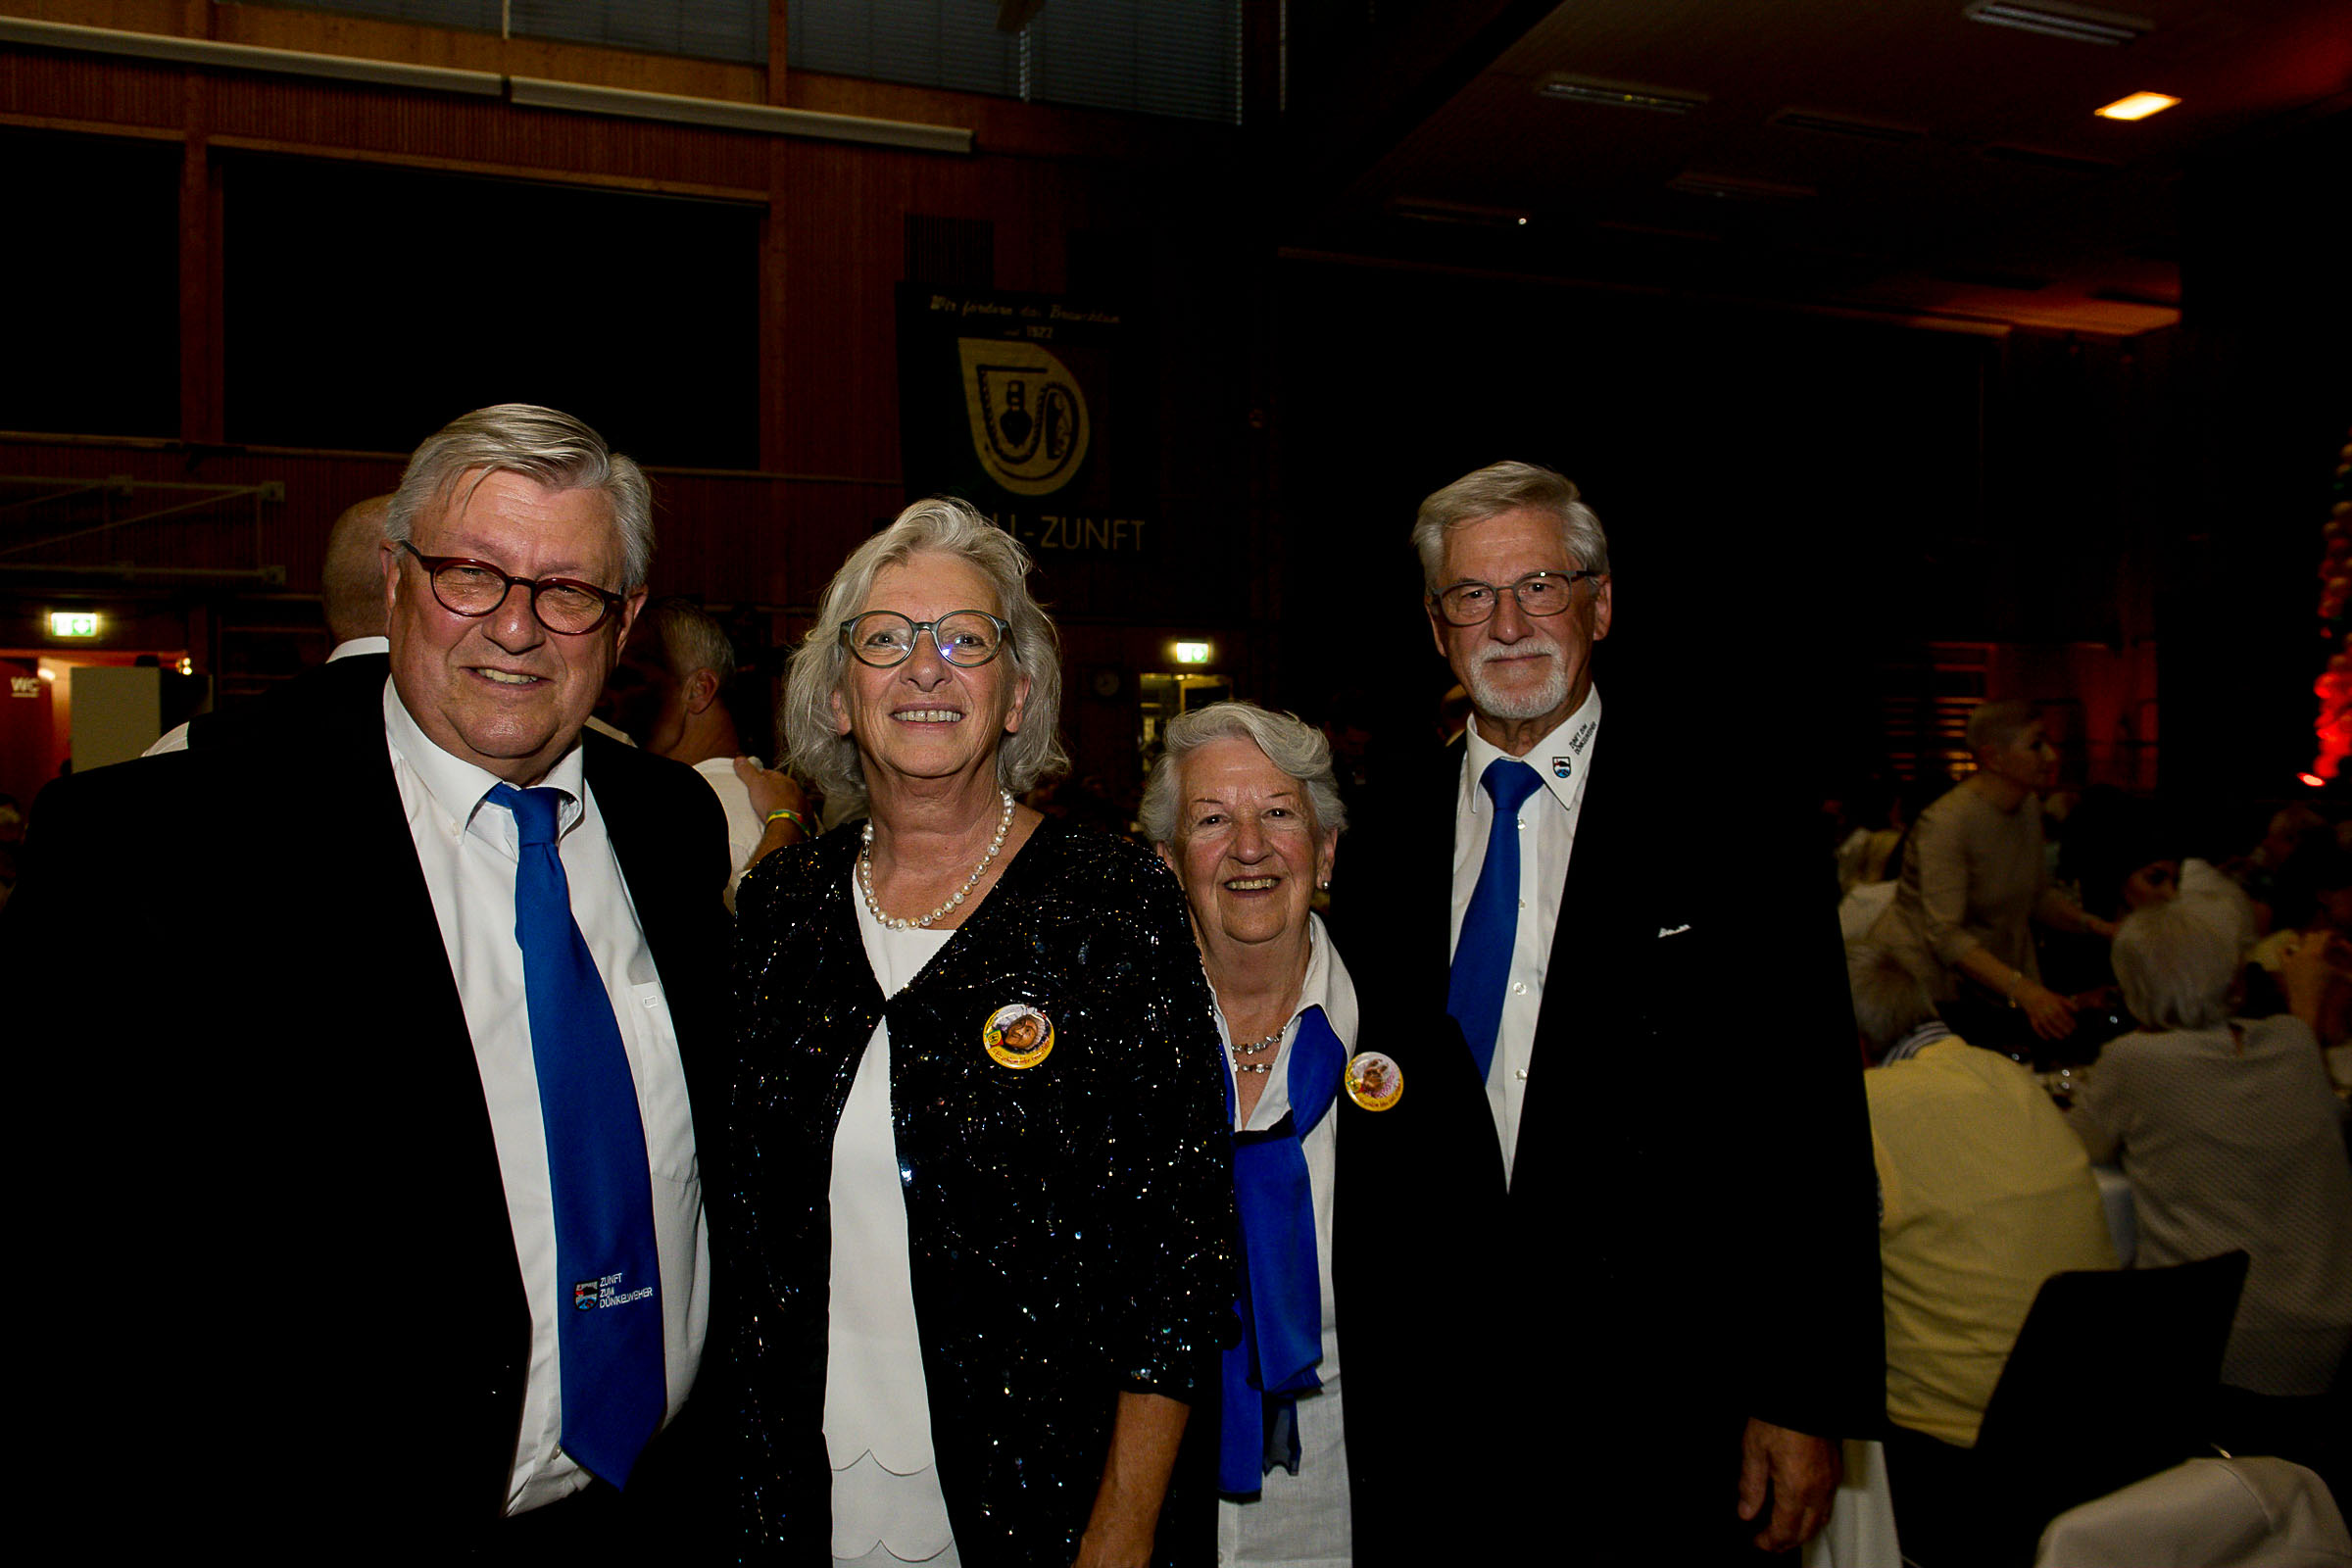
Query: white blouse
x=887, y=1504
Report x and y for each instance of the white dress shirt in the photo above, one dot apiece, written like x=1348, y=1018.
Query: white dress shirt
x=1302, y=1521
x=744, y=827
x=465, y=846
x=1546, y=829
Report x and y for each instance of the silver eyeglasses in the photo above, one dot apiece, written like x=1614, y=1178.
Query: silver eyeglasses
x=1539, y=593
x=964, y=637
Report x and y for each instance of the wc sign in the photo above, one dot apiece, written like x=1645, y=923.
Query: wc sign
x=24, y=686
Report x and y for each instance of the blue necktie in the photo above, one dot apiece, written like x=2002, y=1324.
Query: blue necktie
x=1281, y=1302
x=608, y=1271
x=1482, y=955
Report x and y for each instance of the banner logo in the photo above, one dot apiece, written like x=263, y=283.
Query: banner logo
x=1028, y=416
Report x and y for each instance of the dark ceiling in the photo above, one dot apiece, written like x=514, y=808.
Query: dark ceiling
x=1891, y=157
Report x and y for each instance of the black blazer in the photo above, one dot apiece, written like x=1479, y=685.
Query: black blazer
x=1689, y=1237
x=285, y=1279
x=288, y=714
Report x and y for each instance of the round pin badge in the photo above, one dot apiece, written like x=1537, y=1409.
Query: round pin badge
x=1373, y=1081
x=1019, y=1036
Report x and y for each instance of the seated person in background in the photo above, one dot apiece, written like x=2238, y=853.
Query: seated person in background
x=2231, y=1137
x=1982, y=1196
x=1973, y=874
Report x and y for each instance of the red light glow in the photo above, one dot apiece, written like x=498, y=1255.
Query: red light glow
x=2312, y=779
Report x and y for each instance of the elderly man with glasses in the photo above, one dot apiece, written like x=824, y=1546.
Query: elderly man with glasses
x=1666, y=1256
x=397, y=1243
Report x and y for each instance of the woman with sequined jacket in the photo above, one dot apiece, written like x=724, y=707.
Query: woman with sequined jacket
x=978, y=1192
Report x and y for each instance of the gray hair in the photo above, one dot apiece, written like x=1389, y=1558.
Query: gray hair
x=1295, y=747
x=939, y=527
x=1890, y=1001
x=2176, y=966
x=1508, y=487
x=1996, y=724
x=685, y=637
x=552, y=448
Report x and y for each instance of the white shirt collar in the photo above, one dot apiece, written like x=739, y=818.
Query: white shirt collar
x=458, y=787
x=359, y=645
x=1559, y=758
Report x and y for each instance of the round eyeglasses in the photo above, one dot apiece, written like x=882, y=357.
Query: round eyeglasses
x=475, y=588
x=1539, y=593
x=963, y=637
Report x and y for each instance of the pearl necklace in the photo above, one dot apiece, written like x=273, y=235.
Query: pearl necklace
x=1253, y=1048
x=866, y=873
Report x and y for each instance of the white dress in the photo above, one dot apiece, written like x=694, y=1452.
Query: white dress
x=887, y=1505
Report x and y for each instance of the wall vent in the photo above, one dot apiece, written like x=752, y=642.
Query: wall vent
x=1428, y=210
x=2053, y=20
x=1736, y=188
x=2043, y=158
x=1829, y=124
x=1619, y=94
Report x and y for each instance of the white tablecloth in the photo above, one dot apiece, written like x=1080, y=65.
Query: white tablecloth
x=1860, y=1533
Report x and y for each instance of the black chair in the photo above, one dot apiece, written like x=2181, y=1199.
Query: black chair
x=2113, y=1378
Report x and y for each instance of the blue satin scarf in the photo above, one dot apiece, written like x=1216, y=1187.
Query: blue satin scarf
x=1281, y=1302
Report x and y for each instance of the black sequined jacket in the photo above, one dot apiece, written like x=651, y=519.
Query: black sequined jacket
x=1070, y=1223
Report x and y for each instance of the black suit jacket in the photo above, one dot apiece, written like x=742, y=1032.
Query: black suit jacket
x=1689, y=1238
x=281, y=1277
x=287, y=715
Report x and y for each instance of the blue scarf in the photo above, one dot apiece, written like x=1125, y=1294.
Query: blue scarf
x=1281, y=1302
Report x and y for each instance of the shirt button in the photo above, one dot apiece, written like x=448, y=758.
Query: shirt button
x=1518, y=988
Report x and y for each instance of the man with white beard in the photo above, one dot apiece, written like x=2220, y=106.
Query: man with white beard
x=1676, y=1308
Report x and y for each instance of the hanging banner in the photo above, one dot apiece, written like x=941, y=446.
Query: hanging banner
x=1033, y=409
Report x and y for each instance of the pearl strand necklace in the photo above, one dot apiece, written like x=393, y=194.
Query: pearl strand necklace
x=866, y=873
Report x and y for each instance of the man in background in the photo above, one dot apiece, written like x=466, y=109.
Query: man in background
x=351, y=593
x=669, y=695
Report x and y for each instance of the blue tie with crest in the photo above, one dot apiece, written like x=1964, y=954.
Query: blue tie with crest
x=608, y=1270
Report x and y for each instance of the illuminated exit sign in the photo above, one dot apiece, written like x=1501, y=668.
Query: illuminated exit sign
x=1192, y=652
x=73, y=623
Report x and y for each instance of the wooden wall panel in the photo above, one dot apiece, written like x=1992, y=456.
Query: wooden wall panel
x=831, y=253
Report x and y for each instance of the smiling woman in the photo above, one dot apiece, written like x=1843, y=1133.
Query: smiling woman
x=1004, y=1380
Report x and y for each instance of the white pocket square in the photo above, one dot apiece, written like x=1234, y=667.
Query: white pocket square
x=1672, y=930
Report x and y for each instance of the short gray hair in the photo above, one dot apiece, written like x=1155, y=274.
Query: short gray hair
x=1996, y=725
x=939, y=527
x=1292, y=745
x=2176, y=966
x=1508, y=487
x=1890, y=1001
x=685, y=637
x=552, y=448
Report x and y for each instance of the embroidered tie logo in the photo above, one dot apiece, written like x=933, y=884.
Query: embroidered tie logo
x=589, y=1295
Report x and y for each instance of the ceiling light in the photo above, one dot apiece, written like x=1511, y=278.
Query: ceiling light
x=2138, y=106
x=2053, y=20
x=1619, y=94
